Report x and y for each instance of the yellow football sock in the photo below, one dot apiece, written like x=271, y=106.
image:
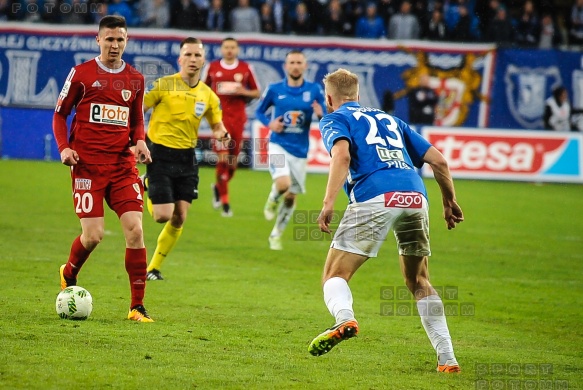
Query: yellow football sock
x=149, y=206
x=166, y=241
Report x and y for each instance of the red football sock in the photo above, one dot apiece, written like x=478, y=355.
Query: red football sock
x=231, y=173
x=77, y=258
x=136, y=264
x=222, y=180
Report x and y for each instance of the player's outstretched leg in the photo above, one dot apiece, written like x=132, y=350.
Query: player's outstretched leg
x=328, y=339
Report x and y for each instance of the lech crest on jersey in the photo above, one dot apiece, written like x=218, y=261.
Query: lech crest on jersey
x=126, y=94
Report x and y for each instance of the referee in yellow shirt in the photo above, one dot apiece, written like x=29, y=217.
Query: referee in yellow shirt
x=180, y=101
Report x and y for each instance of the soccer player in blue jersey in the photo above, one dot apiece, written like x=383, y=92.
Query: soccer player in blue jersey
x=292, y=101
x=374, y=156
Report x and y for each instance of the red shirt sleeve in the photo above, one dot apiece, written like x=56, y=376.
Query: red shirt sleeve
x=252, y=81
x=137, y=116
x=68, y=98
x=60, y=131
x=208, y=79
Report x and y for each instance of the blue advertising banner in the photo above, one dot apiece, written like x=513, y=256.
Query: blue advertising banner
x=525, y=78
x=35, y=60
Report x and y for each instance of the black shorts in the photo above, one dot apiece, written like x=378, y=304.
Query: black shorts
x=172, y=175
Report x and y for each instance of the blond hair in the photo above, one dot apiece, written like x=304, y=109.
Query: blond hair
x=342, y=85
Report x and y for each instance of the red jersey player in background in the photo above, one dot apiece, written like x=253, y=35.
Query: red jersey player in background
x=107, y=94
x=235, y=84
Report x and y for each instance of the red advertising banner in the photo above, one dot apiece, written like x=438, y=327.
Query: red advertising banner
x=318, y=157
x=517, y=155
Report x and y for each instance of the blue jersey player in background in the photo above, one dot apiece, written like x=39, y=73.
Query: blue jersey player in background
x=293, y=101
x=374, y=156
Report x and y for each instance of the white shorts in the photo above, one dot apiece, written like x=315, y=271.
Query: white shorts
x=281, y=163
x=364, y=226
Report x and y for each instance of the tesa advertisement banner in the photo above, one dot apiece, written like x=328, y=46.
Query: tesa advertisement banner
x=516, y=155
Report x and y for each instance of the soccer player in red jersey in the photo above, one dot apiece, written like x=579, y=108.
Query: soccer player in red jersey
x=107, y=94
x=235, y=84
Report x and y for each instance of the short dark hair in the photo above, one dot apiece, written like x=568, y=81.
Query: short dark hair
x=190, y=40
x=112, y=21
x=230, y=39
x=294, y=51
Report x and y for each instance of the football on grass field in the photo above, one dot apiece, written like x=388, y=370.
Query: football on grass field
x=74, y=303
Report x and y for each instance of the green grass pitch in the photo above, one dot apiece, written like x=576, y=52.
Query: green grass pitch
x=232, y=314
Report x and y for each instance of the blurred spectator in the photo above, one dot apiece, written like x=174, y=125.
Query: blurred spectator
x=501, y=31
x=154, y=13
x=557, y=114
x=576, y=23
x=404, y=25
x=334, y=22
x=422, y=102
x=527, y=26
x=76, y=13
x=353, y=10
x=245, y=18
x=267, y=20
x=32, y=12
x=386, y=9
x=280, y=15
x=466, y=28
x=371, y=25
x=122, y=8
x=435, y=29
x=5, y=11
x=550, y=36
x=419, y=9
x=301, y=22
x=51, y=11
x=486, y=10
x=98, y=10
x=216, y=18
x=316, y=13
x=203, y=7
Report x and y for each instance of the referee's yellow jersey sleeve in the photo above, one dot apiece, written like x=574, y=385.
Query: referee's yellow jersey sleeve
x=152, y=97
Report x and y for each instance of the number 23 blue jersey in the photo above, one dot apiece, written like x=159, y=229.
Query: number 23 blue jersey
x=384, y=151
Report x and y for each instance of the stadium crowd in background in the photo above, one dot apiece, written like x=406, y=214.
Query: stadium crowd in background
x=526, y=24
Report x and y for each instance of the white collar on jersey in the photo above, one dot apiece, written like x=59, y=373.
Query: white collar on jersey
x=109, y=70
x=229, y=67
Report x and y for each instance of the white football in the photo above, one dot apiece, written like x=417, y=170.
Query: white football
x=74, y=303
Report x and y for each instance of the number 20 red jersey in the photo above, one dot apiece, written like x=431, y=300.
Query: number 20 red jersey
x=108, y=112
